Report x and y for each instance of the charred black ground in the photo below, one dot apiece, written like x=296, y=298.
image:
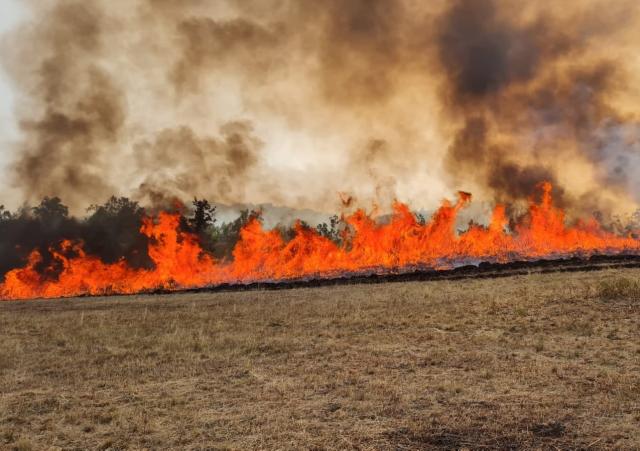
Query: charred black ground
x=483, y=270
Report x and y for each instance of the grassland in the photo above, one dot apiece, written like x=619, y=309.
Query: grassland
x=537, y=361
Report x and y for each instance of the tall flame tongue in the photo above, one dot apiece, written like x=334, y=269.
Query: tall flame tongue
x=179, y=262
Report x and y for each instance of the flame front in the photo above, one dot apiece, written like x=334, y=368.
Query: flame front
x=261, y=255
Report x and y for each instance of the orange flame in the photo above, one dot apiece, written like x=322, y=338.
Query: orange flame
x=260, y=254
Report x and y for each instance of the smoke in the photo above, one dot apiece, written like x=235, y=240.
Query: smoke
x=533, y=97
x=208, y=44
x=78, y=114
x=292, y=102
x=182, y=164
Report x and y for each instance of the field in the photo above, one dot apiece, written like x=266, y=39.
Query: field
x=535, y=361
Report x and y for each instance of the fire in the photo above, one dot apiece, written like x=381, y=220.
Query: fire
x=403, y=242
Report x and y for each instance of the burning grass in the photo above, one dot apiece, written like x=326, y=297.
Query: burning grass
x=178, y=260
x=537, y=361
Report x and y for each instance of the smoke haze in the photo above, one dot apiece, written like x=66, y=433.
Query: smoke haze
x=292, y=102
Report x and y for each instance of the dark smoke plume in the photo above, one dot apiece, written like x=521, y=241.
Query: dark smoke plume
x=521, y=89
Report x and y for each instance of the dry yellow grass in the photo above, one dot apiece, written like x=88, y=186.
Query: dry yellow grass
x=538, y=361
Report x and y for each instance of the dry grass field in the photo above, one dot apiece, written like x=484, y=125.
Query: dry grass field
x=530, y=362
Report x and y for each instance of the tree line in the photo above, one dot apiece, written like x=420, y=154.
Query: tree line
x=111, y=231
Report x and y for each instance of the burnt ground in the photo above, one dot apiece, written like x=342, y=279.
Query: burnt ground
x=483, y=270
